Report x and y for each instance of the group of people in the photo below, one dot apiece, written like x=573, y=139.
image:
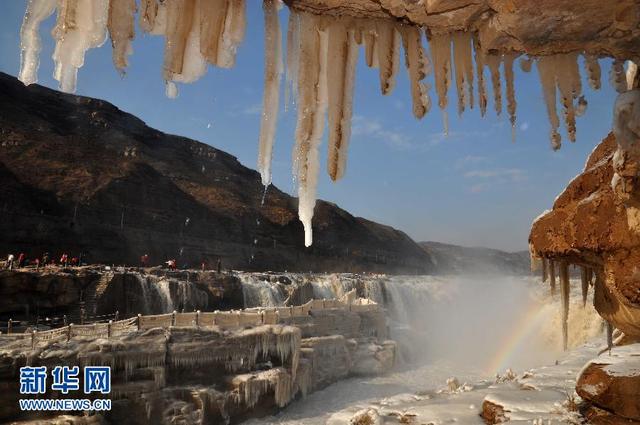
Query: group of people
x=171, y=264
x=23, y=261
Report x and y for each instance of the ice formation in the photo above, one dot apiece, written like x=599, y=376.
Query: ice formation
x=312, y=104
x=272, y=77
x=37, y=11
x=319, y=80
x=564, y=300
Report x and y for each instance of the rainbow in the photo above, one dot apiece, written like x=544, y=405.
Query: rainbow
x=524, y=328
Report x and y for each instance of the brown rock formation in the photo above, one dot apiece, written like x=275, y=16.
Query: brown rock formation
x=78, y=175
x=611, y=382
x=591, y=226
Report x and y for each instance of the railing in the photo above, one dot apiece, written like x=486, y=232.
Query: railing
x=221, y=319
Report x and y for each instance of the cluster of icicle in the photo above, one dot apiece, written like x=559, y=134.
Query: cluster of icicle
x=251, y=387
x=321, y=57
x=587, y=278
x=196, y=32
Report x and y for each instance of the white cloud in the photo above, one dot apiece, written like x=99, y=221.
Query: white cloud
x=362, y=126
x=470, y=160
x=503, y=174
x=255, y=109
x=524, y=126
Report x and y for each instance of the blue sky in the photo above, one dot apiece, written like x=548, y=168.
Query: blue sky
x=474, y=187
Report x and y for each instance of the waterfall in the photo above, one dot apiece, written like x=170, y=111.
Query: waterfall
x=259, y=291
x=167, y=294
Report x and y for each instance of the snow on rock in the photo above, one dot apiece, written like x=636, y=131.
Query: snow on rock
x=612, y=381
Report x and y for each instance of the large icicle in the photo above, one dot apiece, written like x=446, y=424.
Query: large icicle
x=546, y=70
x=482, y=86
x=121, y=27
x=179, y=20
x=564, y=300
x=584, y=280
x=37, y=11
x=441, y=56
x=148, y=13
x=511, y=90
x=370, y=40
x=593, y=71
x=418, y=65
x=212, y=19
x=80, y=26
x=312, y=104
x=493, y=61
x=545, y=270
x=388, y=43
x=463, y=62
x=272, y=77
x=341, y=69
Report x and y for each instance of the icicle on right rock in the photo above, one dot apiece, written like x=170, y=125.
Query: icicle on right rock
x=584, y=280
x=271, y=99
x=618, y=76
x=593, y=71
x=545, y=269
x=293, y=50
x=564, y=300
x=609, y=336
x=341, y=68
x=552, y=277
x=312, y=105
x=30, y=46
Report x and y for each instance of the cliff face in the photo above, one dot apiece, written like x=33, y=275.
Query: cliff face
x=590, y=226
x=460, y=259
x=78, y=175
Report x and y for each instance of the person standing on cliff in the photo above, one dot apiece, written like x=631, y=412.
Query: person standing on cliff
x=37, y=263
x=64, y=259
x=203, y=265
x=144, y=260
x=45, y=259
x=219, y=265
x=21, y=258
x=10, y=260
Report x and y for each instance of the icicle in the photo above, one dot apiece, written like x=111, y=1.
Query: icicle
x=30, y=46
x=632, y=74
x=482, y=86
x=194, y=65
x=80, y=26
x=418, y=66
x=609, y=336
x=148, y=13
x=546, y=70
x=388, y=44
x=564, y=300
x=370, y=40
x=293, y=50
x=121, y=27
x=493, y=61
x=341, y=70
x=581, y=107
x=593, y=71
x=272, y=76
x=463, y=69
x=552, y=277
x=568, y=78
x=312, y=104
x=584, y=280
x=179, y=19
x=544, y=269
x=618, y=77
x=212, y=21
x=232, y=33
x=441, y=55
x=511, y=91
